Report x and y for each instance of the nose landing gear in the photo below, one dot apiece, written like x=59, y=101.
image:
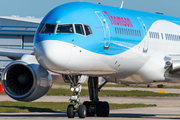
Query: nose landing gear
x=89, y=109
x=72, y=109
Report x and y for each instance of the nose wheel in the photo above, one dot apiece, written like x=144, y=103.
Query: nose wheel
x=81, y=111
x=70, y=111
x=88, y=109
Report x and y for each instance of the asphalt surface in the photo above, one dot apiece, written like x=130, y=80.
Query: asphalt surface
x=167, y=107
x=153, y=113
x=159, y=101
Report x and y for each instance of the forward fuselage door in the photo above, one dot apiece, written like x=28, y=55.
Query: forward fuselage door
x=105, y=29
x=146, y=36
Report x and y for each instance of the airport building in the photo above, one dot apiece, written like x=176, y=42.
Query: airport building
x=16, y=32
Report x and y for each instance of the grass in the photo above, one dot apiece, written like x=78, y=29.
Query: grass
x=110, y=93
x=8, y=106
x=2, y=93
x=139, y=86
x=120, y=85
x=114, y=93
x=133, y=93
x=133, y=105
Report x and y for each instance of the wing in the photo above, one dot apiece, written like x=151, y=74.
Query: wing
x=15, y=53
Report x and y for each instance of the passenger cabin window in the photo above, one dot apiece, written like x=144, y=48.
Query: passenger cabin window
x=79, y=29
x=162, y=35
x=48, y=28
x=67, y=28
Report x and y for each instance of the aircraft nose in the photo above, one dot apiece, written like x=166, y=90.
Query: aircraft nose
x=53, y=53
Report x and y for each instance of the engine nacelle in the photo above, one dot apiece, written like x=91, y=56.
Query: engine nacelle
x=175, y=67
x=24, y=81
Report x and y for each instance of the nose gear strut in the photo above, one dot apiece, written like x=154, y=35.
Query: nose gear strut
x=76, y=89
x=89, y=109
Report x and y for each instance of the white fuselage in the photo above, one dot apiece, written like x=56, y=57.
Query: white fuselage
x=66, y=58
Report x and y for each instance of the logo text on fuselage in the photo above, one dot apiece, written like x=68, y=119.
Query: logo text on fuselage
x=119, y=20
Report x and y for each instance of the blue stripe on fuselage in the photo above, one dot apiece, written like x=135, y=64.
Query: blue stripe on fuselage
x=82, y=12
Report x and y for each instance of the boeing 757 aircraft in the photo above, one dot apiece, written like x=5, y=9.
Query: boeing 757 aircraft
x=81, y=38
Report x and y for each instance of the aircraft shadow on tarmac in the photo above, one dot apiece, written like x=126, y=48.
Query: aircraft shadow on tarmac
x=31, y=109
x=155, y=116
x=111, y=115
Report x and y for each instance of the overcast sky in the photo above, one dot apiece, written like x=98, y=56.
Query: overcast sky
x=39, y=8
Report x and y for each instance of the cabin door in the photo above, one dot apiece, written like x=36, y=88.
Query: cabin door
x=145, y=33
x=105, y=29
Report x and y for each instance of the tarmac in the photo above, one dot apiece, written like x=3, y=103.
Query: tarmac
x=153, y=113
x=167, y=107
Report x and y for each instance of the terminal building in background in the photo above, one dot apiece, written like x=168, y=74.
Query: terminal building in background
x=16, y=32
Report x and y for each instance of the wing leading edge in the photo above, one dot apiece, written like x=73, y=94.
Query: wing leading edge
x=14, y=53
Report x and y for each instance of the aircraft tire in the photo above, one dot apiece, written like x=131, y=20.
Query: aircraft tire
x=99, y=109
x=106, y=109
x=82, y=111
x=102, y=109
x=70, y=111
x=89, y=113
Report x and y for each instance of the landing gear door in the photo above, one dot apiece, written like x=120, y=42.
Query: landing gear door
x=146, y=36
x=105, y=29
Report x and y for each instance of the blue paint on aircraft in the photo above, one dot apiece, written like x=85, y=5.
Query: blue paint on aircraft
x=85, y=13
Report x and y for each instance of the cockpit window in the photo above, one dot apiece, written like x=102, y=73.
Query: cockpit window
x=67, y=28
x=87, y=29
x=45, y=28
x=48, y=28
x=40, y=28
x=79, y=29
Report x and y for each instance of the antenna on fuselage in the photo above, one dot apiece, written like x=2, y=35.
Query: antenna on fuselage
x=122, y=4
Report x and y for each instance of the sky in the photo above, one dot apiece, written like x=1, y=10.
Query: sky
x=39, y=8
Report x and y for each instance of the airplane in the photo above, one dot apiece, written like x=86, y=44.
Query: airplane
x=85, y=39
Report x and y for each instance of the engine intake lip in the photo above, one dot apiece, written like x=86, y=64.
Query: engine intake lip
x=11, y=83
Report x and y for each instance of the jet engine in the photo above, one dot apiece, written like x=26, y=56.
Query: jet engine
x=175, y=67
x=24, y=81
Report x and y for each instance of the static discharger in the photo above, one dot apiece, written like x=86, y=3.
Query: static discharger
x=1, y=88
x=161, y=91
